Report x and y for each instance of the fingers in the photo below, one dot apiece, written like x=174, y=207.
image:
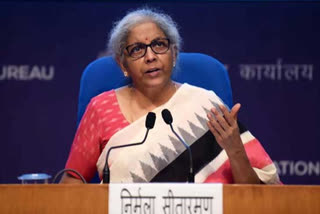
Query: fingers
x=214, y=132
x=232, y=116
x=215, y=125
x=235, y=110
x=224, y=125
x=221, y=120
x=227, y=115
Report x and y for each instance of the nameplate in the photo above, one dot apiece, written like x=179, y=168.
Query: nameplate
x=165, y=198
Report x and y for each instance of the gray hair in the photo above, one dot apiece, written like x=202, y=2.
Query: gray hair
x=121, y=29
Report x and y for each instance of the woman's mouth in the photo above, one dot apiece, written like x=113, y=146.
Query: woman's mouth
x=153, y=72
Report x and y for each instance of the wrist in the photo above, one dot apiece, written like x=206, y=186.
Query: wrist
x=235, y=153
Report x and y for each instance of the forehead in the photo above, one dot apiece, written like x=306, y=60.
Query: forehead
x=144, y=32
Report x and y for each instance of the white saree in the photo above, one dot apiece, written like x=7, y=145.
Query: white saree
x=162, y=157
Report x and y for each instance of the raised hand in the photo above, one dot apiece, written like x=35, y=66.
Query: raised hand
x=226, y=131
x=225, y=128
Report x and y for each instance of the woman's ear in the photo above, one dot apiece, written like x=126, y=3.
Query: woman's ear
x=174, y=55
x=123, y=66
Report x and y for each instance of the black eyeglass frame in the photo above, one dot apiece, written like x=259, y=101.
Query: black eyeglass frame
x=146, y=47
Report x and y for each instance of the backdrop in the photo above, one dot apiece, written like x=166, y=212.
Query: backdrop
x=271, y=51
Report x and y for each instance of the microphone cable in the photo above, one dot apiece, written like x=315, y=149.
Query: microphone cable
x=68, y=170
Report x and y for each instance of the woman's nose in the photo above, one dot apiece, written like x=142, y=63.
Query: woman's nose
x=150, y=55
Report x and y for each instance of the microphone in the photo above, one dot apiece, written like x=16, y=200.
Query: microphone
x=167, y=117
x=150, y=120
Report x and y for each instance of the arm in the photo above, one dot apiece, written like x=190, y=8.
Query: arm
x=226, y=131
x=85, y=148
x=241, y=169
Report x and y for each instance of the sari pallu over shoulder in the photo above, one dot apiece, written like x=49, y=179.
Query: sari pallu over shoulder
x=163, y=158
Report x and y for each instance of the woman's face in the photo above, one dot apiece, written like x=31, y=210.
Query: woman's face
x=151, y=70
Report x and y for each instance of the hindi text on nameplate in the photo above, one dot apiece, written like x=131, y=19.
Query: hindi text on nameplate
x=165, y=198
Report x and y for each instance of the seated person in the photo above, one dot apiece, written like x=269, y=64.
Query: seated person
x=146, y=45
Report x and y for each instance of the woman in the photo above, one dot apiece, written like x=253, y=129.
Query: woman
x=146, y=44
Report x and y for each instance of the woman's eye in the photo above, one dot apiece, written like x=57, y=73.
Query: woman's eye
x=159, y=43
x=135, y=49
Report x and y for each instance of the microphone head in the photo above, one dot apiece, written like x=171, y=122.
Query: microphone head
x=167, y=117
x=151, y=119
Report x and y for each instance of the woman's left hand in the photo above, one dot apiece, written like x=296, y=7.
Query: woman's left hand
x=225, y=128
x=226, y=131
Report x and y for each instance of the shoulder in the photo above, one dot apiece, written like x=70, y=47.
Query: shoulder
x=103, y=98
x=196, y=90
x=197, y=93
x=105, y=95
x=111, y=97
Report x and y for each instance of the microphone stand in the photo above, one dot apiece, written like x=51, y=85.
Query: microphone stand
x=106, y=170
x=150, y=121
x=167, y=117
x=191, y=173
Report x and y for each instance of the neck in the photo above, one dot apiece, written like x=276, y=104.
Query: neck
x=153, y=97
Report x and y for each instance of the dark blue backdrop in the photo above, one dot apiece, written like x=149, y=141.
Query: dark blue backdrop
x=271, y=51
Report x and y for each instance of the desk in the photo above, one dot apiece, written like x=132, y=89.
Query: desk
x=93, y=198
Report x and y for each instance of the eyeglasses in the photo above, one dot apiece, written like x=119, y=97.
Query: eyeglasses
x=158, y=46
